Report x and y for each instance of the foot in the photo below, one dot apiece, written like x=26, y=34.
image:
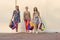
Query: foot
x=36, y=32
x=30, y=31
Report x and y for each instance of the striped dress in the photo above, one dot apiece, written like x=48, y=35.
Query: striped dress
x=36, y=18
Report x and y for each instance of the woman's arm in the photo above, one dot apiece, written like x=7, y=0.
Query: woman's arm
x=39, y=15
x=11, y=18
x=29, y=15
x=12, y=15
x=33, y=15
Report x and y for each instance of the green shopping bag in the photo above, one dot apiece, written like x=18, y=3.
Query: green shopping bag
x=42, y=27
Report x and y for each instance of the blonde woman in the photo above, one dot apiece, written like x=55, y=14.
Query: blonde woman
x=27, y=18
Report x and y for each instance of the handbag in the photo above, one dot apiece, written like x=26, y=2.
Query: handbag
x=30, y=26
x=11, y=24
x=41, y=25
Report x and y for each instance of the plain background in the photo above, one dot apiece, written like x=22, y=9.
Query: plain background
x=49, y=11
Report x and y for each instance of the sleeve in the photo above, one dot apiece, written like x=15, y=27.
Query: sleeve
x=29, y=15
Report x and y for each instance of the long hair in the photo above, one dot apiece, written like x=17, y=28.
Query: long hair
x=35, y=9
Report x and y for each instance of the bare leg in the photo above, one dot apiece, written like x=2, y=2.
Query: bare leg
x=36, y=28
x=17, y=27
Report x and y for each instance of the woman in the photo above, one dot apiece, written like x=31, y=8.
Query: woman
x=16, y=17
x=36, y=16
x=27, y=18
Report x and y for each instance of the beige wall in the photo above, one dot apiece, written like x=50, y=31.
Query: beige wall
x=49, y=10
x=53, y=15
x=6, y=8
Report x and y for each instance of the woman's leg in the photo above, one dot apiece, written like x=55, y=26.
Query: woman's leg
x=36, y=28
x=26, y=25
x=16, y=27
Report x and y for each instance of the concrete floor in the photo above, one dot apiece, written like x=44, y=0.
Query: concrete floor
x=29, y=36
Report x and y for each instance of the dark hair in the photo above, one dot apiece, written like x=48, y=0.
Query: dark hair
x=16, y=7
x=35, y=9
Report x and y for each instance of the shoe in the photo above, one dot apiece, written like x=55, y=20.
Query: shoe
x=33, y=31
x=36, y=32
x=30, y=31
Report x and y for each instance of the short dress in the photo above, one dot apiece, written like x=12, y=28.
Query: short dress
x=36, y=18
x=16, y=15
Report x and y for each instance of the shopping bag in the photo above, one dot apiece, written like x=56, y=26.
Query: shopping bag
x=42, y=27
x=11, y=24
x=30, y=26
x=15, y=25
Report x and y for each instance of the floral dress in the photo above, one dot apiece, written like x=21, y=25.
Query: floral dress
x=16, y=15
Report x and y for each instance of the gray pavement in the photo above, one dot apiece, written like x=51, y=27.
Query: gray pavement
x=29, y=36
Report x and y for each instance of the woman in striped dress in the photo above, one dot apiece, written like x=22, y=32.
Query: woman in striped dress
x=36, y=16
